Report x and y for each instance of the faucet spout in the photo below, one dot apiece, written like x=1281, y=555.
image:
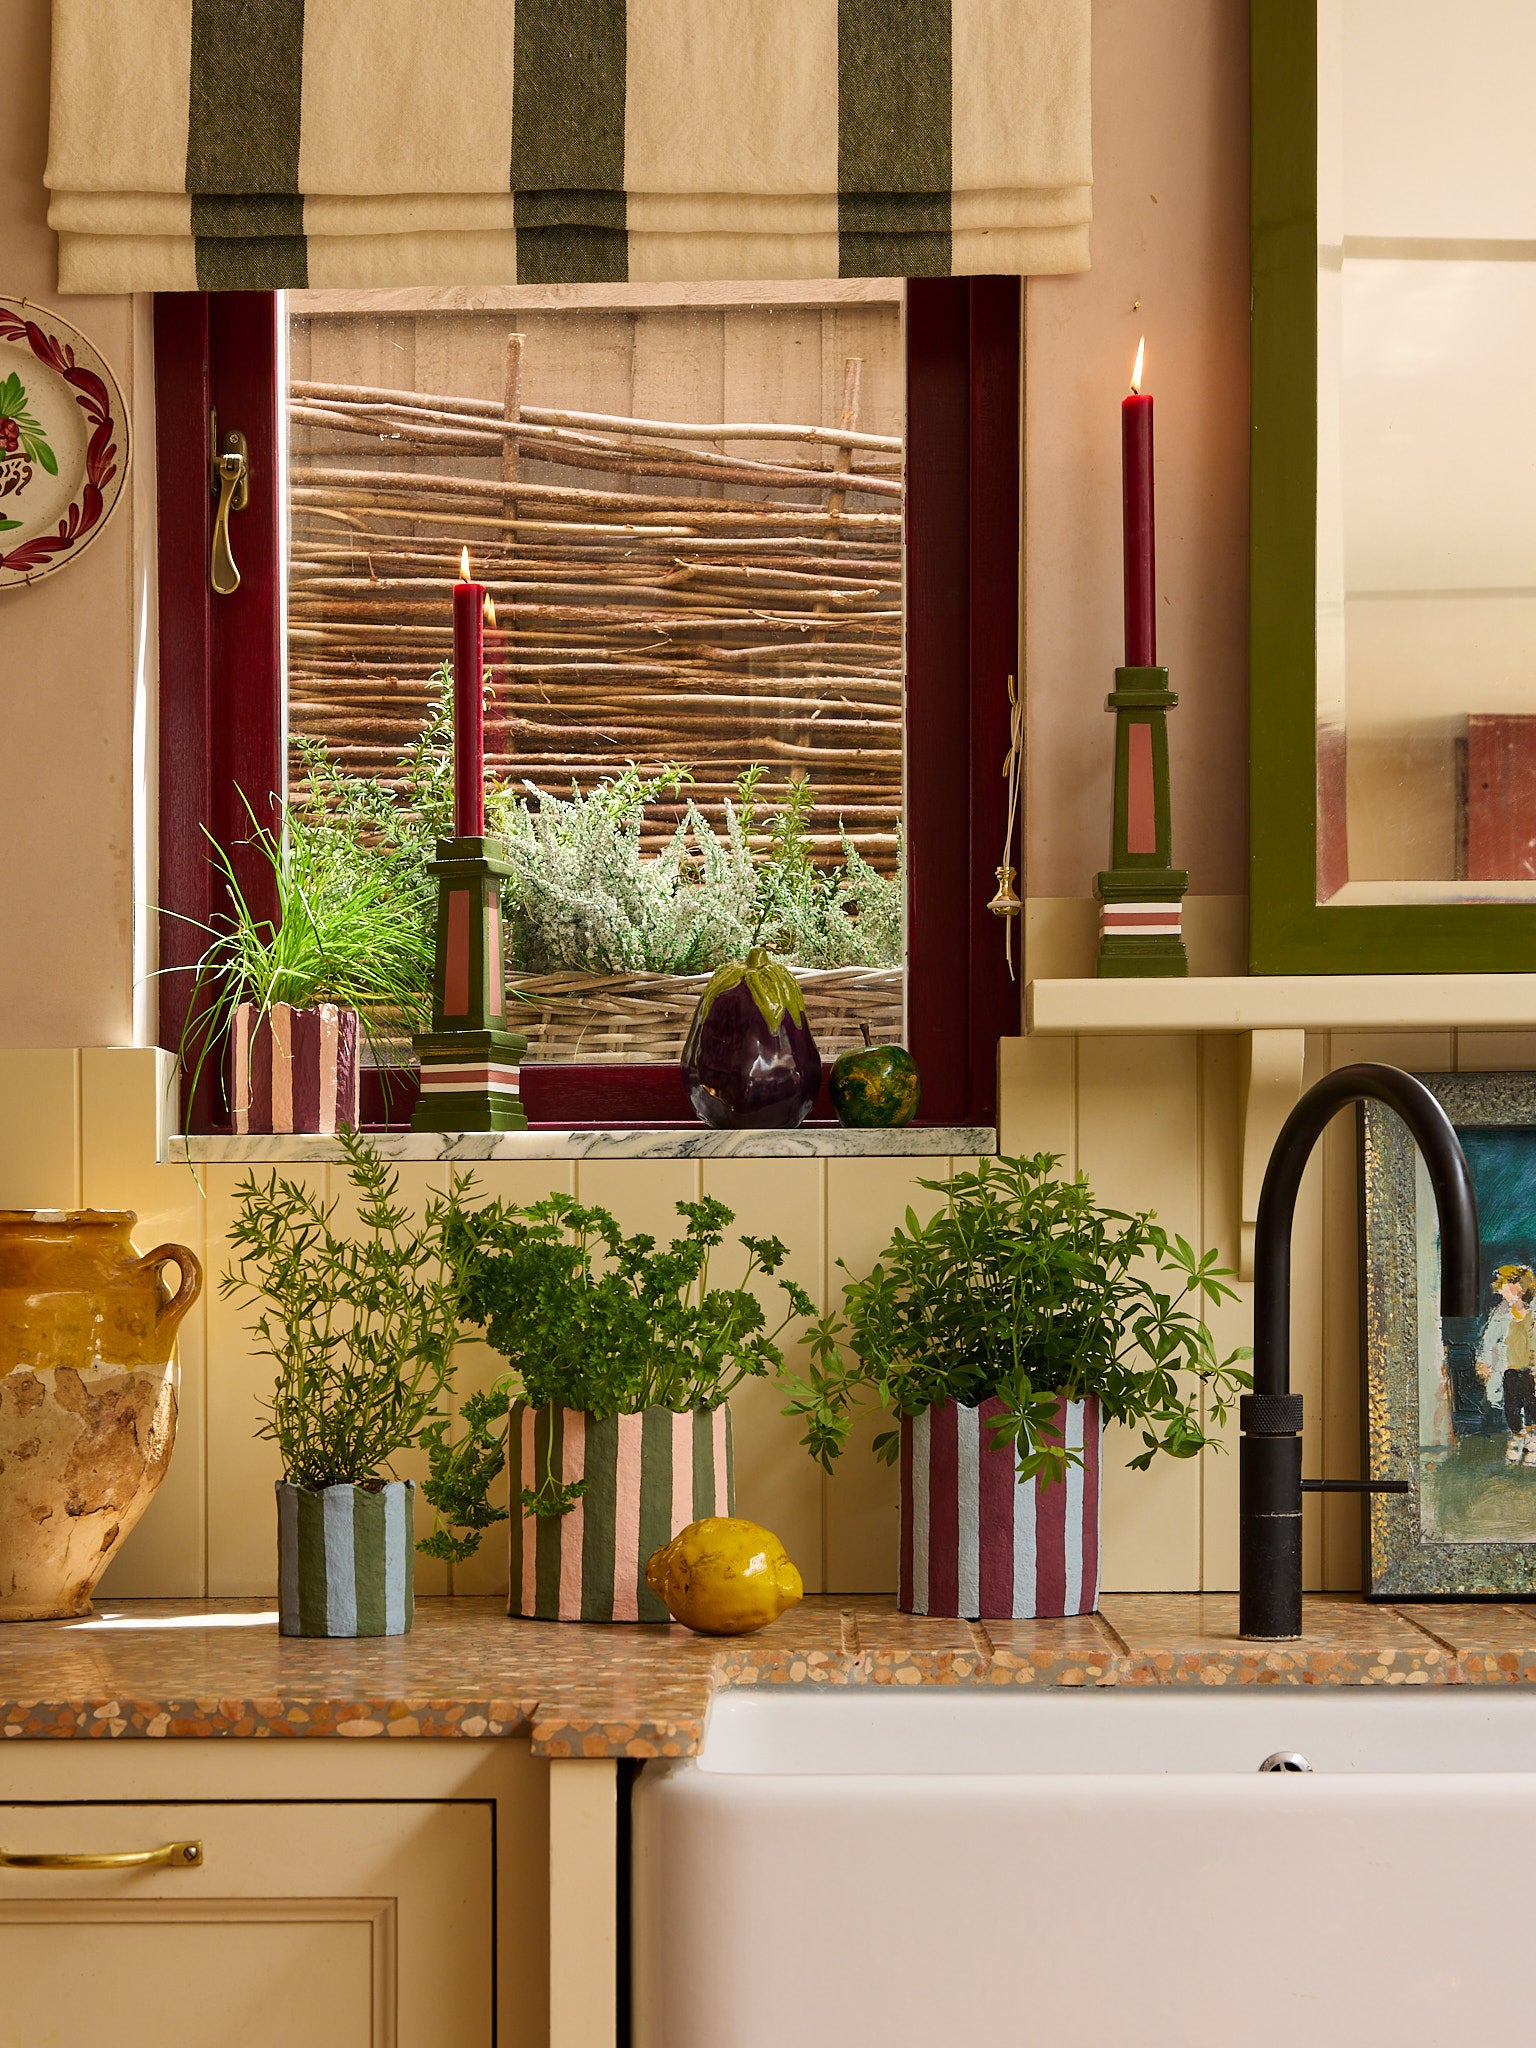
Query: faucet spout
x=1269, y=1570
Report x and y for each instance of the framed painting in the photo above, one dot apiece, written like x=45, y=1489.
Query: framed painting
x=1458, y=1422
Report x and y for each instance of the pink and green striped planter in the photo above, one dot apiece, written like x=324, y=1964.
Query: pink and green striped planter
x=647, y=1476
x=978, y=1543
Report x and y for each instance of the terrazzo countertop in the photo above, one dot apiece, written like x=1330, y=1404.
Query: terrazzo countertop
x=219, y=1668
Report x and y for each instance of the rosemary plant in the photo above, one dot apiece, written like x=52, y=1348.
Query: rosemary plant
x=360, y=1327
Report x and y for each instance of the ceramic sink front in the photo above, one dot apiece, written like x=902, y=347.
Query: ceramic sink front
x=865, y=1866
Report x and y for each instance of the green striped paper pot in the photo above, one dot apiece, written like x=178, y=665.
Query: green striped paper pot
x=346, y=1559
x=647, y=1476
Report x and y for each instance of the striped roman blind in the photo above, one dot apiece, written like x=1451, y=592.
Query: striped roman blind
x=251, y=144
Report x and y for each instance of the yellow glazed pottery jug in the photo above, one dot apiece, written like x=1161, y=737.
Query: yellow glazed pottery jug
x=87, y=1397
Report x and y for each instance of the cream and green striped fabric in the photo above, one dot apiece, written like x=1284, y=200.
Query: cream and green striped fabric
x=251, y=144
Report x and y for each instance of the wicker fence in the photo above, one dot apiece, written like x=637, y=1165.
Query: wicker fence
x=661, y=596
x=658, y=597
x=597, y=1017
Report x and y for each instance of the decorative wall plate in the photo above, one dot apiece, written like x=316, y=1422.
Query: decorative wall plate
x=63, y=442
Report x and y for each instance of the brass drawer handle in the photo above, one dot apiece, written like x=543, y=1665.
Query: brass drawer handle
x=169, y=1856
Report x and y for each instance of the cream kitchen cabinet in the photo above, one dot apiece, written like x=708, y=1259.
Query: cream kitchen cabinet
x=379, y=1894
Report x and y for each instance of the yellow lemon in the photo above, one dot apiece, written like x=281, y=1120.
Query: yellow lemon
x=724, y=1577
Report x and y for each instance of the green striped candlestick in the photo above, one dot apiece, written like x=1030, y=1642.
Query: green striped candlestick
x=1141, y=921
x=469, y=1059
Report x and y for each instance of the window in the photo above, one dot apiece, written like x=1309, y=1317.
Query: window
x=666, y=594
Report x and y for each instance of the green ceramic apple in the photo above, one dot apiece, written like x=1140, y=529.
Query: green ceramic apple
x=875, y=1084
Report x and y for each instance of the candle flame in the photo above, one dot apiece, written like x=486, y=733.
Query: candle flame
x=464, y=565
x=1141, y=356
x=488, y=609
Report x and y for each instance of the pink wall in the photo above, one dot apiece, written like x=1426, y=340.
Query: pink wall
x=68, y=657
x=1170, y=231
x=1170, y=260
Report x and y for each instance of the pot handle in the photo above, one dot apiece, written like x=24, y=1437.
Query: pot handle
x=175, y=1306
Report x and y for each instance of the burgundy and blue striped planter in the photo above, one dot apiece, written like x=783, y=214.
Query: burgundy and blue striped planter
x=979, y=1543
x=647, y=1476
x=294, y=1070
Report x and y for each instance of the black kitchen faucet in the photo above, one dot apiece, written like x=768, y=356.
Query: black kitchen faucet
x=1270, y=1484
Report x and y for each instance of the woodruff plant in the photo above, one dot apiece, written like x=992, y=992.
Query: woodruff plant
x=1024, y=1288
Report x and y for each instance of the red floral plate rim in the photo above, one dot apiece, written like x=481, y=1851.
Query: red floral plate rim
x=58, y=346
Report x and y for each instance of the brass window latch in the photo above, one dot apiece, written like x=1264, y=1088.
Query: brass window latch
x=230, y=483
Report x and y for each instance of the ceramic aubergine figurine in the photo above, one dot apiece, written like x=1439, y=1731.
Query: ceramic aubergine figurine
x=750, y=1060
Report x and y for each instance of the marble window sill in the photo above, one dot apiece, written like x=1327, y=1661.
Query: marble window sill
x=816, y=1141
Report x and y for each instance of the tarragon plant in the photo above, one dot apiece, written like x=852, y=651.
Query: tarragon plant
x=361, y=1325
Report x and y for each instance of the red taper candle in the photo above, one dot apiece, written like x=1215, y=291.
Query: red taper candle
x=468, y=706
x=1140, y=548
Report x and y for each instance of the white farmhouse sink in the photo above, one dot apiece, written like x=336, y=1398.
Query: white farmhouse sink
x=866, y=1866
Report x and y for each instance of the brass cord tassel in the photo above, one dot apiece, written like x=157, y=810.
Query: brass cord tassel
x=1006, y=903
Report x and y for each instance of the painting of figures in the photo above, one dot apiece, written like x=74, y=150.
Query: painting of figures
x=1453, y=1409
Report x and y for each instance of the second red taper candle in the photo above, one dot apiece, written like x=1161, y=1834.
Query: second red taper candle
x=1140, y=542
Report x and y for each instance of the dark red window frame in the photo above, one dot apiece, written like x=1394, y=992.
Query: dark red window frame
x=220, y=664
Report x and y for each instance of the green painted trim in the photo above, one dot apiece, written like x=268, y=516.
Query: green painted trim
x=470, y=1109
x=1126, y=956
x=1289, y=931
x=1141, y=696
x=1135, y=885
x=458, y=1045
x=476, y=867
x=1141, y=689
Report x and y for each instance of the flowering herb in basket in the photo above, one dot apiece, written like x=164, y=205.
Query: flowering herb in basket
x=587, y=897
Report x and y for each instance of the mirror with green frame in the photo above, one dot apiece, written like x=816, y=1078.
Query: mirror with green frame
x=1393, y=565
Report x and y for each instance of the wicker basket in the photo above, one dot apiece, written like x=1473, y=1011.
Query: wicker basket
x=609, y=1017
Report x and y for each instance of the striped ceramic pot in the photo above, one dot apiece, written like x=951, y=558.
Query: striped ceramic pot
x=979, y=1542
x=346, y=1559
x=646, y=1477
x=294, y=1070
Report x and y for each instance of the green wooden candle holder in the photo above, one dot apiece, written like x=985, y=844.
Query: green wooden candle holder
x=469, y=1060
x=1141, y=921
